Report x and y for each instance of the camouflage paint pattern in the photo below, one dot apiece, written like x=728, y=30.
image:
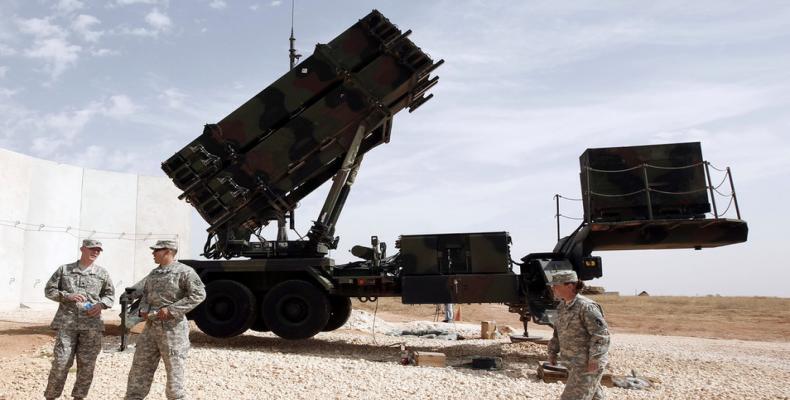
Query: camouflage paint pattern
x=79, y=335
x=93, y=282
x=583, y=385
x=455, y=253
x=259, y=161
x=581, y=335
x=489, y=252
x=460, y=288
x=419, y=254
x=676, y=178
x=85, y=346
x=178, y=288
x=665, y=234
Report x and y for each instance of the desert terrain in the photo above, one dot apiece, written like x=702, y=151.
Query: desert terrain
x=694, y=347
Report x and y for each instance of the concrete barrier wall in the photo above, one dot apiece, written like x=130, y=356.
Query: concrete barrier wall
x=127, y=212
x=15, y=172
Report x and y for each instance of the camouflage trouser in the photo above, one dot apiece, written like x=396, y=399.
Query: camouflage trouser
x=583, y=385
x=85, y=346
x=158, y=341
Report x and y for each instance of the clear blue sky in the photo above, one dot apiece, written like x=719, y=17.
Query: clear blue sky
x=527, y=86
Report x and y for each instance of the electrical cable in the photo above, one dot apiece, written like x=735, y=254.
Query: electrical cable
x=569, y=217
x=717, y=169
x=680, y=193
x=568, y=198
x=617, y=195
x=373, y=328
x=81, y=233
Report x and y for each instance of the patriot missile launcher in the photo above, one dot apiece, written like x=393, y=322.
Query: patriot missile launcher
x=316, y=122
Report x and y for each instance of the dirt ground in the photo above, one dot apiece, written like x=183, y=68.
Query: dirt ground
x=715, y=317
x=706, y=365
x=745, y=318
x=22, y=338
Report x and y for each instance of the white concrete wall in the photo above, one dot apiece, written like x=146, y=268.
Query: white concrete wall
x=159, y=210
x=15, y=172
x=127, y=212
x=109, y=204
x=54, y=201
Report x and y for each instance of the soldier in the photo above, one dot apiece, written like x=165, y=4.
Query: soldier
x=582, y=335
x=168, y=293
x=448, y=312
x=83, y=290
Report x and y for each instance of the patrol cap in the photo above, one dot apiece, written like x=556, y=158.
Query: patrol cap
x=564, y=276
x=165, y=244
x=91, y=244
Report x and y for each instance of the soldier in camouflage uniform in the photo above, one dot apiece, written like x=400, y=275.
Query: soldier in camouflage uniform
x=79, y=330
x=581, y=335
x=168, y=293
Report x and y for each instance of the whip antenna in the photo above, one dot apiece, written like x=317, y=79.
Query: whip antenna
x=292, y=52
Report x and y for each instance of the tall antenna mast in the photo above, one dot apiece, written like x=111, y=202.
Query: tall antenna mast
x=292, y=51
x=282, y=233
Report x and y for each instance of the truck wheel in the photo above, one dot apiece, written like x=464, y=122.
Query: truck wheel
x=229, y=309
x=295, y=309
x=259, y=325
x=340, y=310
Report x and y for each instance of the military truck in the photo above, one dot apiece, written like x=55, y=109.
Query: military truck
x=316, y=123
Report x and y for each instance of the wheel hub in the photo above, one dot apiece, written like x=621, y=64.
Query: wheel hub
x=222, y=309
x=294, y=309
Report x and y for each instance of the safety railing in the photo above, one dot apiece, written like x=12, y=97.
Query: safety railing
x=647, y=191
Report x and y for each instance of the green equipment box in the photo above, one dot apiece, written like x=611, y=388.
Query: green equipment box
x=455, y=253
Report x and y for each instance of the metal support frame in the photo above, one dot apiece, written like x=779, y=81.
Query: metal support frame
x=647, y=193
x=588, y=214
x=734, y=197
x=557, y=214
x=342, y=175
x=124, y=329
x=710, y=189
x=341, y=183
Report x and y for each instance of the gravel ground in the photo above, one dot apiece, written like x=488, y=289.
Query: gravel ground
x=355, y=364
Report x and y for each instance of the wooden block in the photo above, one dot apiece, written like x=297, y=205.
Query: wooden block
x=429, y=359
x=138, y=328
x=487, y=329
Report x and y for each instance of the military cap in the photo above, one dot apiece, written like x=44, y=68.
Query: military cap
x=165, y=244
x=563, y=276
x=91, y=244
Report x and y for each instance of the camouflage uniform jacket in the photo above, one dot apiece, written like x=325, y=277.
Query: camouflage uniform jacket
x=176, y=287
x=93, y=282
x=580, y=332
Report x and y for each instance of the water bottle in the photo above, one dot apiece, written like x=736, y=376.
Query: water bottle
x=86, y=306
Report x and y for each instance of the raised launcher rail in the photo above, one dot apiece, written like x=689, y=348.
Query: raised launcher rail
x=315, y=122
x=652, y=197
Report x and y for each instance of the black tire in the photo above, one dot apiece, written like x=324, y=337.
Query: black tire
x=295, y=309
x=229, y=309
x=259, y=325
x=339, y=312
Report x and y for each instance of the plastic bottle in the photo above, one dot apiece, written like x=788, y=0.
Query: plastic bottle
x=85, y=306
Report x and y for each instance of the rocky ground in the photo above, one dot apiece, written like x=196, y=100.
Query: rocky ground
x=355, y=363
